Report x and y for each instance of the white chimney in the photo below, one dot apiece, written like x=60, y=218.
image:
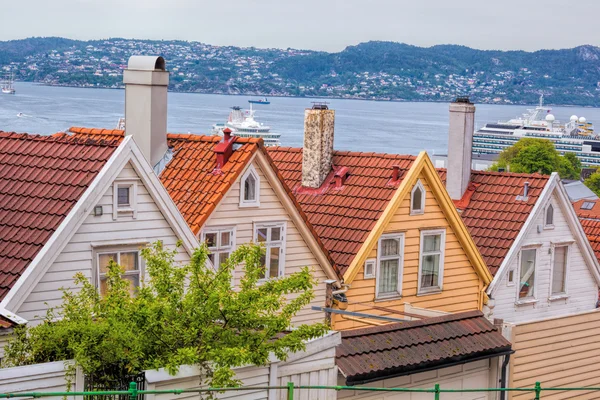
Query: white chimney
x=317, y=155
x=146, y=81
x=460, y=146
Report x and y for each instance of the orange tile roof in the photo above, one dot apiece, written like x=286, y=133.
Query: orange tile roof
x=490, y=210
x=189, y=177
x=590, y=221
x=41, y=179
x=343, y=218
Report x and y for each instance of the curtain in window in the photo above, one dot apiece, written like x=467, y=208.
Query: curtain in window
x=527, y=274
x=430, y=269
x=560, y=269
x=388, y=279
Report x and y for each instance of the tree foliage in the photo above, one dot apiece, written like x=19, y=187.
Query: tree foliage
x=530, y=155
x=593, y=182
x=181, y=315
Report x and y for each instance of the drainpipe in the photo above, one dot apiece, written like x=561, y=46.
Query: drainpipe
x=503, y=376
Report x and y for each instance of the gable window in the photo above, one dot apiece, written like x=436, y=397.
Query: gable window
x=250, y=188
x=272, y=236
x=220, y=242
x=559, y=270
x=390, y=263
x=369, y=271
x=124, y=199
x=549, y=219
x=527, y=274
x=129, y=261
x=417, y=199
x=431, y=263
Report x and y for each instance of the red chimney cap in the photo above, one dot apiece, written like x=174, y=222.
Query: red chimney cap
x=227, y=130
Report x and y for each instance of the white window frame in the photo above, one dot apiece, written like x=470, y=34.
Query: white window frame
x=250, y=203
x=553, y=246
x=219, y=248
x=546, y=225
x=373, y=263
x=98, y=251
x=283, y=226
x=532, y=299
x=131, y=209
x=421, y=211
x=508, y=281
x=400, y=257
x=439, y=287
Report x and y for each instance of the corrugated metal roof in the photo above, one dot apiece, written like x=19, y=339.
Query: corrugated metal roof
x=403, y=348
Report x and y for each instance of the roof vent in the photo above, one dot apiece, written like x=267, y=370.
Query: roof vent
x=463, y=99
x=340, y=176
x=525, y=195
x=501, y=169
x=319, y=105
x=395, y=172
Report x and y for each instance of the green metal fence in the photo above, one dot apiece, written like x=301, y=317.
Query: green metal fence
x=290, y=389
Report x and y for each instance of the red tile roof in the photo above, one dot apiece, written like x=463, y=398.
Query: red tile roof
x=590, y=221
x=343, y=218
x=490, y=210
x=41, y=179
x=404, y=348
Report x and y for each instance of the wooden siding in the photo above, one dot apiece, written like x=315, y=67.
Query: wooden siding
x=557, y=352
x=461, y=284
x=581, y=285
x=271, y=209
x=47, y=377
x=472, y=375
x=77, y=256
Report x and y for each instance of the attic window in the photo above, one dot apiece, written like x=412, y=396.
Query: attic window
x=549, y=218
x=124, y=199
x=587, y=205
x=417, y=199
x=250, y=188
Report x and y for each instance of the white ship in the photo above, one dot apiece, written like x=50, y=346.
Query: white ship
x=576, y=136
x=7, y=84
x=243, y=124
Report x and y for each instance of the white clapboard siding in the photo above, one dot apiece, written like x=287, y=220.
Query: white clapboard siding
x=297, y=252
x=473, y=375
x=581, y=285
x=47, y=377
x=77, y=256
x=315, y=370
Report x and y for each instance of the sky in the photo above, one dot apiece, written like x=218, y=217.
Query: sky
x=328, y=25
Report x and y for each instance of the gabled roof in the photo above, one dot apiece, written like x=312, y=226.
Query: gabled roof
x=493, y=213
x=590, y=221
x=403, y=348
x=344, y=218
x=41, y=179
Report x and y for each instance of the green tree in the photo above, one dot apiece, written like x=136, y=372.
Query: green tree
x=181, y=315
x=593, y=182
x=531, y=155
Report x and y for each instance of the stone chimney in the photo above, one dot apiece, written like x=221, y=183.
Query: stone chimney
x=460, y=146
x=146, y=81
x=317, y=155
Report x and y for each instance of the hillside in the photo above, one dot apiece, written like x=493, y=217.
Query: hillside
x=373, y=70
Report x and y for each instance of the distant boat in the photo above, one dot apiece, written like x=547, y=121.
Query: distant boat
x=7, y=84
x=20, y=115
x=264, y=100
x=243, y=124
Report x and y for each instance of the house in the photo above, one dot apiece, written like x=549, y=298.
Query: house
x=229, y=193
x=70, y=205
x=389, y=226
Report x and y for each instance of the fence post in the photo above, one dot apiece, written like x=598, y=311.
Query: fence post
x=538, y=390
x=133, y=391
x=290, y=391
x=437, y=391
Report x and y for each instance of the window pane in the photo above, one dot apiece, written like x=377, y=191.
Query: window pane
x=211, y=239
x=134, y=282
x=432, y=243
x=129, y=261
x=274, y=262
x=250, y=188
x=104, y=259
x=223, y=257
x=390, y=247
x=211, y=257
x=550, y=215
x=123, y=196
x=430, y=270
x=527, y=274
x=369, y=269
x=103, y=286
x=225, y=239
x=275, y=234
x=261, y=235
x=388, y=276
x=263, y=263
x=559, y=271
x=417, y=198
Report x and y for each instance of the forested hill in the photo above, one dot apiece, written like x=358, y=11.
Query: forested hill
x=373, y=70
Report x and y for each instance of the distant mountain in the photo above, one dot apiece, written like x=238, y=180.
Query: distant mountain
x=373, y=70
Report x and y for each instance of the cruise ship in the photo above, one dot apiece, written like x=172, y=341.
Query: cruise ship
x=576, y=136
x=243, y=124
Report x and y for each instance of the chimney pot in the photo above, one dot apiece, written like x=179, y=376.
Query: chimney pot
x=224, y=149
x=226, y=134
x=317, y=154
x=395, y=172
x=460, y=146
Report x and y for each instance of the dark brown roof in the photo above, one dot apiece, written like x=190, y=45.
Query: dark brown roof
x=493, y=214
x=343, y=218
x=404, y=348
x=41, y=179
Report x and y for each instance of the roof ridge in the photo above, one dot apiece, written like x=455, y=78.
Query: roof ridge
x=412, y=324
x=505, y=173
x=351, y=153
